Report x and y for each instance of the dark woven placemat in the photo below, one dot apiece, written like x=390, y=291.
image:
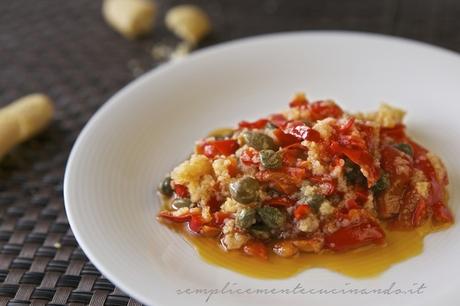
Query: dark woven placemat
x=64, y=49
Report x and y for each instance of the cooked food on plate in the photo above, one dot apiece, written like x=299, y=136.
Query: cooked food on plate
x=312, y=179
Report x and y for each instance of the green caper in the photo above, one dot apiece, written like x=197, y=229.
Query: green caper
x=245, y=217
x=165, y=187
x=405, y=147
x=314, y=200
x=382, y=184
x=245, y=190
x=260, y=231
x=180, y=203
x=270, y=159
x=353, y=173
x=221, y=133
x=271, y=217
x=259, y=141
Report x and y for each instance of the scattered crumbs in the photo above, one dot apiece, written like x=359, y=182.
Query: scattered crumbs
x=135, y=68
x=161, y=52
x=181, y=51
x=57, y=245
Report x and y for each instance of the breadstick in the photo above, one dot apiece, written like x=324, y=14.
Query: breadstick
x=188, y=22
x=22, y=119
x=9, y=133
x=131, y=18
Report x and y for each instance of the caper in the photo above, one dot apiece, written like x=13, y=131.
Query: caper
x=353, y=173
x=260, y=231
x=180, y=203
x=271, y=217
x=270, y=159
x=382, y=183
x=245, y=190
x=221, y=133
x=259, y=141
x=314, y=200
x=405, y=147
x=245, y=217
x=165, y=187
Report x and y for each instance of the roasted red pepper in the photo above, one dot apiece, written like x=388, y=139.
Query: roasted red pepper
x=361, y=229
x=301, y=131
x=292, y=153
x=279, y=181
x=257, y=249
x=299, y=101
x=181, y=191
x=278, y=119
x=327, y=184
x=178, y=219
x=347, y=126
x=259, y=124
x=355, y=236
x=441, y=214
x=284, y=139
x=301, y=211
x=397, y=132
x=360, y=157
x=196, y=223
x=280, y=201
x=323, y=109
x=214, y=148
x=219, y=216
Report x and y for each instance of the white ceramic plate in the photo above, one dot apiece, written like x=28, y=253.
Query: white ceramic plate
x=151, y=125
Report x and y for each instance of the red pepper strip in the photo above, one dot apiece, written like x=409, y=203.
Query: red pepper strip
x=280, y=181
x=178, y=219
x=420, y=213
x=361, y=194
x=327, y=184
x=259, y=124
x=323, y=109
x=347, y=126
x=301, y=211
x=355, y=236
x=181, y=191
x=302, y=131
x=219, y=216
x=441, y=213
x=351, y=204
x=367, y=133
x=213, y=204
x=397, y=132
x=257, y=249
x=278, y=119
x=284, y=139
x=280, y=201
x=418, y=149
x=196, y=223
x=292, y=152
x=299, y=101
x=297, y=173
x=361, y=158
x=351, y=141
x=427, y=168
x=213, y=148
x=233, y=169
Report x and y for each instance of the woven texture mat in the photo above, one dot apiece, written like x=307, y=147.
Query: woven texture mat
x=65, y=49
